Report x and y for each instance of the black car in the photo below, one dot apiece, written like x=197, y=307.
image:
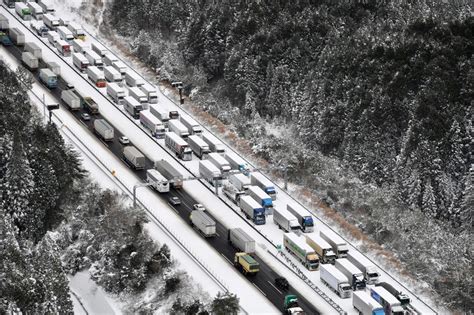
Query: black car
x=174, y=201
x=282, y=283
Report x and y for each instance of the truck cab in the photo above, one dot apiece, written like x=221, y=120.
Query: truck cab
x=4, y=39
x=291, y=306
x=246, y=263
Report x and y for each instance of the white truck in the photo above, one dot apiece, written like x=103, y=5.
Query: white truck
x=99, y=49
x=80, y=61
x=47, y=6
x=63, y=21
x=355, y=276
x=237, y=163
x=29, y=60
x=36, y=10
x=71, y=99
x=178, y=128
x=219, y=161
x=369, y=270
x=215, y=145
x=134, y=158
x=65, y=34
x=241, y=240
x=285, y=220
x=338, y=244
x=252, y=210
x=112, y=75
x=170, y=172
x=150, y=92
x=261, y=197
x=258, y=179
x=120, y=67
x=50, y=21
x=335, y=280
x=52, y=37
x=231, y=192
x=161, y=113
x=365, y=304
x=109, y=59
x=94, y=59
x=79, y=46
x=305, y=219
x=199, y=147
x=390, y=304
x=158, y=181
x=297, y=246
x=34, y=49
x=97, y=76
x=116, y=93
x=104, y=129
x=23, y=11
x=77, y=31
x=136, y=93
x=240, y=181
x=132, y=106
x=17, y=36
x=203, y=223
x=132, y=79
x=149, y=121
x=63, y=47
x=210, y=173
x=193, y=127
x=321, y=247
x=178, y=146
x=54, y=66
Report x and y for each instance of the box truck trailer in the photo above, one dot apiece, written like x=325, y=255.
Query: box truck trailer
x=94, y=59
x=219, y=161
x=104, y=129
x=252, y=210
x=63, y=47
x=116, y=93
x=23, y=11
x=237, y=163
x=30, y=61
x=112, y=75
x=258, y=179
x=150, y=92
x=338, y=244
x=215, y=145
x=96, y=76
x=305, y=219
x=390, y=303
x=355, y=276
x=193, y=127
x=36, y=10
x=321, y=247
x=285, y=220
x=199, y=147
x=231, y=192
x=369, y=270
x=204, y=224
x=177, y=127
x=133, y=79
x=180, y=147
x=171, y=173
x=34, y=49
x=210, y=173
x=241, y=240
x=48, y=78
x=261, y=197
x=80, y=61
x=161, y=113
x=297, y=246
x=132, y=106
x=153, y=124
x=71, y=99
x=158, y=181
x=79, y=46
x=365, y=304
x=77, y=31
x=134, y=158
x=240, y=181
x=50, y=21
x=17, y=36
x=335, y=280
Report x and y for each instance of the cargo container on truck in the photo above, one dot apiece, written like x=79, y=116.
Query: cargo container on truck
x=116, y=92
x=390, y=303
x=237, y=163
x=48, y=78
x=65, y=34
x=77, y=31
x=177, y=127
x=193, y=127
x=305, y=219
x=79, y=46
x=133, y=157
x=50, y=21
x=150, y=122
x=34, y=49
x=90, y=105
x=158, y=181
x=71, y=99
x=136, y=93
x=210, y=173
x=63, y=21
x=240, y=181
x=36, y=10
x=258, y=179
x=285, y=220
x=132, y=106
x=39, y=28
x=261, y=197
x=335, y=280
x=54, y=66
x=99, y=49
x=338, y=244
x=369, y=270
x=203, y=223
x=80, y=61
x=297, y=246
x=112, y=75
x=161, y=113
x=365, y=304
x=47, y=6
x=120, y=67
x=321, y=247
x=241, y=240
x=199, y=147
x=150, y=92
x=171, y=173
x=63, y=47
x=133, y=79
x=355, y=276
x=23, y=11
x=402, y=297
x=252, y=210
x=52, y=37
x=246, y=263
x=104, y=129
x=219, y=161
x=215, y=145
x=178, y=146
x=4, y=24
x=231, y=192
x=29, y=60
x=17, y=36
x=109, y=59
x=97, y=76
x=94, y=59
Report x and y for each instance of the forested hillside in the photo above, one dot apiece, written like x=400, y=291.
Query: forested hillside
x=377, y=90
x=55, y=222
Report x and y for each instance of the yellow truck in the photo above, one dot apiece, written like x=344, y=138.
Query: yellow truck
x=246, y=263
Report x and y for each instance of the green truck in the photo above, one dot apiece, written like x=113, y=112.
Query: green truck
x=291, y=306
x=246, y=263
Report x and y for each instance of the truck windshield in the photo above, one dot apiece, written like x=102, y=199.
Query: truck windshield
x=373, y=275
x=308, y=221
x=254, y=267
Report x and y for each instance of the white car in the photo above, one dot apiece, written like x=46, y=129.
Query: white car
x=124, y=140
x=199, y=206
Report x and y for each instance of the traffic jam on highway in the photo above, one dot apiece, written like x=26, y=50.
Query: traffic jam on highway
x=345, y=277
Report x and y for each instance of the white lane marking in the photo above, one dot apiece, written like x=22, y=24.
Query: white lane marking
x=275, y=287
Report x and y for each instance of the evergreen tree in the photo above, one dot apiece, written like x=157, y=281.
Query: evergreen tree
x=428, y=203
x=225, y=304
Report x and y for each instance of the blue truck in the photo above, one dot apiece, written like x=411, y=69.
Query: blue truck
x=5, y=39
x=49, y=78
x=262, y=198
x=258, y=179
x=252, y=210
x=305, y=219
